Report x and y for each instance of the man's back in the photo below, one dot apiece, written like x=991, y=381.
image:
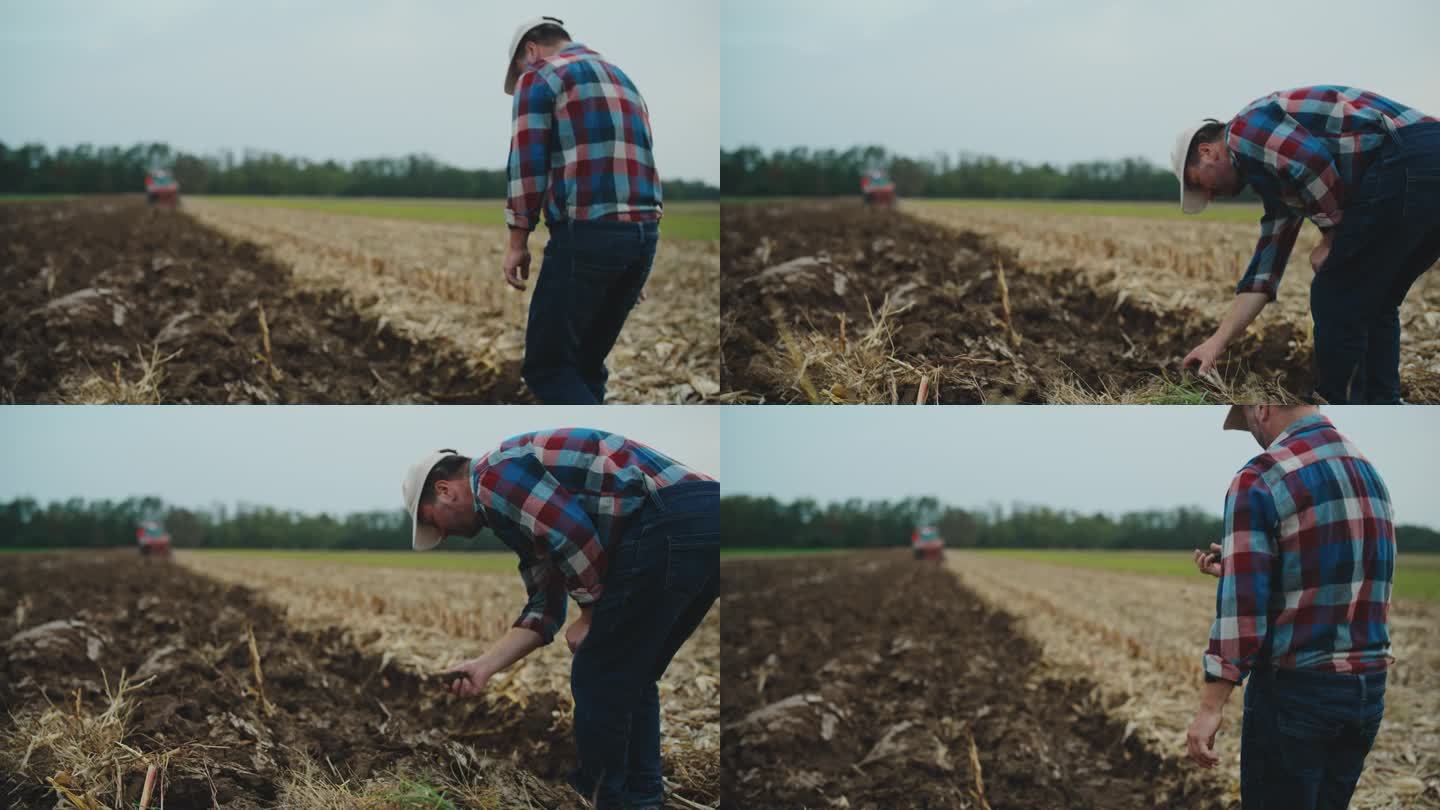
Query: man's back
x=1309, y=557
x=582, y=133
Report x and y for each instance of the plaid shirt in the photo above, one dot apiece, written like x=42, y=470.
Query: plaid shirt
x=561, y=499
x=1300, y=150
x=580, y=145
x=1307, y=560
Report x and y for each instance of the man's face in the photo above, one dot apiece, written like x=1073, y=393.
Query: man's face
x=452, y=511
x=1213, y=172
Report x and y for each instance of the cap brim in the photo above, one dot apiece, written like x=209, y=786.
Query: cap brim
x=511, y=78
x=425, y=537
x=1235, y=419
x=1192, y=201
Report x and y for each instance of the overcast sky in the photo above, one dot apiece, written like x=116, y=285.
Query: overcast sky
x=341, y=79
x=1048, y=80
x=310, y=458
x=1094, y=459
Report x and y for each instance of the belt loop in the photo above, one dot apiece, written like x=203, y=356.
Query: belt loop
x=1363, y=687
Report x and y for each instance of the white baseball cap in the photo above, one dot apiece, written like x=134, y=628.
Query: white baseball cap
x=1191, y=200
x=425, y=537
x=511, y=76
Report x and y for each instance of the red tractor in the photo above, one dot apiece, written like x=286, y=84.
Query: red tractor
x=928, y=544
x=154, y=540
x=878, y=189
x=161, y=188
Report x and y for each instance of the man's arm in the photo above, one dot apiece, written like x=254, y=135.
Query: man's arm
x=528, y=169
x=517, y=643
x=1200, y=737
x=1247, y=559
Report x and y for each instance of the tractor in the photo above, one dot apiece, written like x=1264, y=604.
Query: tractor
x=161, y=189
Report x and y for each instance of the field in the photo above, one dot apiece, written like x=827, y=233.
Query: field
x=1012, y=302
x=113, y=664
x=1139, y=636
x=1075, y=683
x=232, y=303
x=918, y=696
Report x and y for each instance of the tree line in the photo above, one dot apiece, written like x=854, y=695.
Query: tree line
x=801, y=172
x=88, y=169
x=768, y=523
x=80, y=523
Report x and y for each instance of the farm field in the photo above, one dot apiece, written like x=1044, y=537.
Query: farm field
x=344, y=711
x=683, y=220
x=826, y=304
x=1417, y=576
x=225, y=303
x=920, y=695
x=1139, y=637
x=427, y=279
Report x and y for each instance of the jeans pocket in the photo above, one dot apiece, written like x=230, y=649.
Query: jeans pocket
x=1304, y=720
x=1422, y=196
x=692, y=560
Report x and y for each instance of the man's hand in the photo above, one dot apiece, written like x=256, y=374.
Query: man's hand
x=1204, y=356
x=577, y=631
x=1322, y=250
x=517, y=266
x=1200, y=738
x=1208, y=562
x=476, y=675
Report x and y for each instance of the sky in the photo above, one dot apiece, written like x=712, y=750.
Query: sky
x=342, y=79
x=1048, y=80
x=310, y=458
x=1108, y=458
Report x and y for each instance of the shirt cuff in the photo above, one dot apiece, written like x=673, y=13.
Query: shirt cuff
x=587, y=597
x=521, y=221
x=1256, y=286
x=1327, y=221
x=1218, y=669
x=541, y=626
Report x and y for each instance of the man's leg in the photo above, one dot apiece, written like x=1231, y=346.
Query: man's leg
x=624, y=279
x=1347, y=755
x=551, y=367
x=613, y=677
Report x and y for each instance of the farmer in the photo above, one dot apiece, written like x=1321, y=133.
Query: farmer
x=631, y=535
x=1366, y=171
x=581, y=151
x=1305, y=569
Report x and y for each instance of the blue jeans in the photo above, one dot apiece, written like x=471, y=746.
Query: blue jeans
x=661, y=581
x=589, y=281
x=1389, y=236
x=1304, y=737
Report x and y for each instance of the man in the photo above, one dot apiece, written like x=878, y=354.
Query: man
x=581, y=151
x=632, y=535
x=1302, y=608
x=1366, y=170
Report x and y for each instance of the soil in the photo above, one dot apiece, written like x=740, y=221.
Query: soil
x=332, y=705
x=866, y=690
x=850, y=259
x=91, y=283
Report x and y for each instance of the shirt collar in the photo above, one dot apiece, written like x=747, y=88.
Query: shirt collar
x=475, y=489
x=1301, y=425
